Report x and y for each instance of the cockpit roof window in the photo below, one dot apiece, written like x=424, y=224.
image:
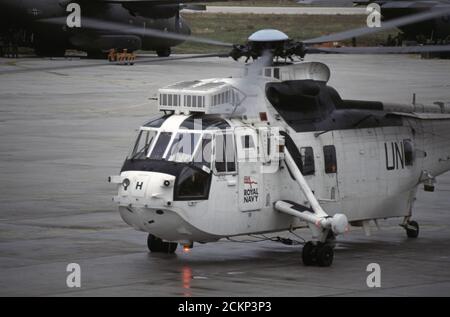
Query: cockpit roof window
x=204, y=123
x=156, y=122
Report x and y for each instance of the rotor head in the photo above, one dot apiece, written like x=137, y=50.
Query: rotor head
x=268, y=40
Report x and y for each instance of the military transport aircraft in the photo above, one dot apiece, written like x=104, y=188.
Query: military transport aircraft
x=435, y=30
x=21, y=24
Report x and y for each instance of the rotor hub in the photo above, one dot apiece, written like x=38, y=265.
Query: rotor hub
x=268, y=35
x=268, y=41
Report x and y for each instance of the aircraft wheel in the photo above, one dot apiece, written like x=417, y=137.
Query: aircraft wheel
x=43, y=51
x=164, y=52
x=412, y=229
x=325, y=255
x=169, y=247
x=309, y=254
x=156, y=245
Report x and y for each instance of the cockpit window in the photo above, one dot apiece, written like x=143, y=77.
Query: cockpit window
x=161, y=145
x=203, y=122
x=143, y=144
x=183, y=147
x=204, y=152
x=192, y=184
x=156, y=122
x=225, y=154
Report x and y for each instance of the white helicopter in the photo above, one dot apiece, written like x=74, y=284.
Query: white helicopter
x=278, y=149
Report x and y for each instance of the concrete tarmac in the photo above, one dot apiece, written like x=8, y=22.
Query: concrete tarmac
x=62, y=133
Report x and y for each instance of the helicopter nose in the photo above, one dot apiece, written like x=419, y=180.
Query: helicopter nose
x=143, y=189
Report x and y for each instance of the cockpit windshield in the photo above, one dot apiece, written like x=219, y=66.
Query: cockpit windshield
x=184, y=147
x=160, y=146
x=143, y=144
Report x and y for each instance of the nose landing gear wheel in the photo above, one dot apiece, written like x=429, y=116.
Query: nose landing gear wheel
x=321, y=254
x=156, y=245
x=412, y=229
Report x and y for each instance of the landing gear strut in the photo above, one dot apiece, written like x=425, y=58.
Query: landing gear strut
x=321, y=254
x=156, y=245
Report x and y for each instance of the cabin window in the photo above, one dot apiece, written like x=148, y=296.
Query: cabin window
x=268, y=72
x=203, y=155
x=247, y=142
x=230, y=153
x=225, y=154
x=307, y=157
x=409, y=152
x=329, y=152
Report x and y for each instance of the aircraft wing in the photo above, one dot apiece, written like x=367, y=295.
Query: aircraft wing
x=160, y=2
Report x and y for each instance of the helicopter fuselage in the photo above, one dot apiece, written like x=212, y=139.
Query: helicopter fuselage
x=367, y=166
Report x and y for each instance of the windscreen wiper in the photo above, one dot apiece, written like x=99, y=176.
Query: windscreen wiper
x=144, y=149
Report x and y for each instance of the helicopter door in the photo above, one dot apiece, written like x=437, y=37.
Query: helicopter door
x=250, y=178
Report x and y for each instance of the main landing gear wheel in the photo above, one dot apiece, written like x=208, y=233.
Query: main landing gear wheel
x=412, y=229
x=321, y=254
x=164, y=52
x=156, y=245
x=308, y=254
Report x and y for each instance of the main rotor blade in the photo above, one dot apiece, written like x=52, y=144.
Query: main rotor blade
x=125, y=28
x=386, y=25
x=380, y=49
x=106, y=63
